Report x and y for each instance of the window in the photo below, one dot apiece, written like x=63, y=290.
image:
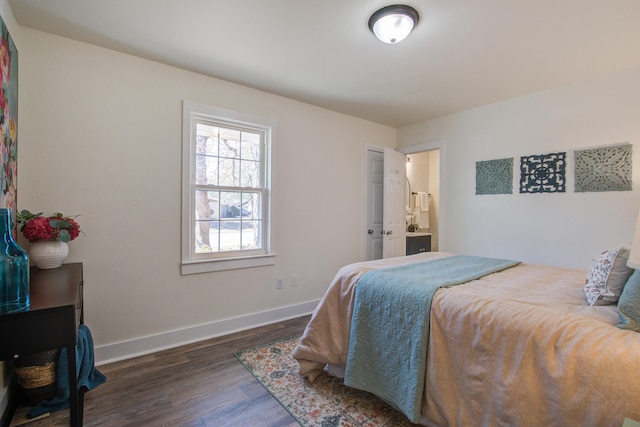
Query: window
x=226, y=190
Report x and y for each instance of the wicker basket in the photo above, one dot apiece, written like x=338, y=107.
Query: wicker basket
x=36, y=376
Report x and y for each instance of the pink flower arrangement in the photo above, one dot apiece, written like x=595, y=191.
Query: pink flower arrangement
x=56, y=227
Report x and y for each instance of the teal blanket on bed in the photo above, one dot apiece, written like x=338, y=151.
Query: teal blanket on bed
x=390, y=325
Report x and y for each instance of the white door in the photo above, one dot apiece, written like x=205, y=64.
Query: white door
x=375, y=197
x=394, y=221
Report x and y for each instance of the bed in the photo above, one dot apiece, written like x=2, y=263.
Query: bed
x=516, y=347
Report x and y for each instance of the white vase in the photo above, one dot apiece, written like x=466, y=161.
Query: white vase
x=48, y=254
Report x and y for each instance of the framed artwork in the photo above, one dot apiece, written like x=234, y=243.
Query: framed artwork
x=8, y=120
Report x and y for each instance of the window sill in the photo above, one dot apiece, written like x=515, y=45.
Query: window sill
x=210, y=265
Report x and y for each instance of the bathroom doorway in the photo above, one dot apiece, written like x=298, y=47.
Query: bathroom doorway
x=422, y=172
x=423, y=193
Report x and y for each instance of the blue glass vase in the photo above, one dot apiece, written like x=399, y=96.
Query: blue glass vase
x=14, y=269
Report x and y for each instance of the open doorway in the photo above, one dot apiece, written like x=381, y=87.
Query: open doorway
x=423, y=194
x=423, y=172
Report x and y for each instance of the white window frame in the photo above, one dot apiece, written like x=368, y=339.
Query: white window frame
x=201, y=263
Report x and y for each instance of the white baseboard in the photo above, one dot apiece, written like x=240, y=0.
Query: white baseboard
x=152, y=343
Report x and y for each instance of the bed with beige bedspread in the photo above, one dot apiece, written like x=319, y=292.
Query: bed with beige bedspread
x=519, y=347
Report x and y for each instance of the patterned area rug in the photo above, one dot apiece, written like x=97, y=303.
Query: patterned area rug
x=326, y=402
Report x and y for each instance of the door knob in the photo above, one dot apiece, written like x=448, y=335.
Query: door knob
x=369, y=231
x=389, y=233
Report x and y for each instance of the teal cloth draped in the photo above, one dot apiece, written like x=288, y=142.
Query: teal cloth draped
x=87, y=374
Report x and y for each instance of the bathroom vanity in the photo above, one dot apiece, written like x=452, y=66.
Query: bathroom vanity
x=418, y=242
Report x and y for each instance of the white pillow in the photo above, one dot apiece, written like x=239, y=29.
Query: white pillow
x=606, y=277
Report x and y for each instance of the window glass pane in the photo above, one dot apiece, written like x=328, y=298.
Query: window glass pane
x=250, y=146
x=206, y=170
x=207, y=209
x=213, y=197
x=229, y=172
x=229, y=235
x=201, y=144
x=212, y=146
x=207, y=237
x=212, y=170
x=214, y=236
x=229, y=143
x=251, y=205
x=230, y=204
x=250, y=174
x=207, y=139
x=258, y=206
x=251, y=234
x=206, y=205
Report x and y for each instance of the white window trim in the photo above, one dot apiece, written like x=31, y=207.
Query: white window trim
x=192, y=265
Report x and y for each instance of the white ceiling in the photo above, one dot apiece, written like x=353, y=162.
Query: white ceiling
x=462, y=54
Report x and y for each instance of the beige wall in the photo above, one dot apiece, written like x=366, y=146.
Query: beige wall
x=101, y=137
x=567, y=229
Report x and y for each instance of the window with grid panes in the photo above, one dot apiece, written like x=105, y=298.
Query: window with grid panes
x=228, y=191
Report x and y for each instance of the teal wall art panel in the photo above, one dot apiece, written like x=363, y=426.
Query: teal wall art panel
x=494, y=176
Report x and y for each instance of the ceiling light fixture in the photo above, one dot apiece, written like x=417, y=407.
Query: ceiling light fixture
x=392, y=24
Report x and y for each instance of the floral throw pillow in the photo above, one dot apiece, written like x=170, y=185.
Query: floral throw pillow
x=606, y=277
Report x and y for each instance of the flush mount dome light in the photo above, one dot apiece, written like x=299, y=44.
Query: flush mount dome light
x=392, y=24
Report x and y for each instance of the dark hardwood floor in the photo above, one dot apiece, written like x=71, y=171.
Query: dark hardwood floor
x=200, y=384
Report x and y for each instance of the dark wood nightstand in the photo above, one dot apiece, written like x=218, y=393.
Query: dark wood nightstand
x=50, y=323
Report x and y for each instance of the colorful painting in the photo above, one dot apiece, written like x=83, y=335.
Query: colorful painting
x=543, y=173
x=8, y=120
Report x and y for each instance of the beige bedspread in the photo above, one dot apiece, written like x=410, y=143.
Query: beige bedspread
x=515, y=348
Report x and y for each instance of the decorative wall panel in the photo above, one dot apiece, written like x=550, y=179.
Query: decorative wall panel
x=604, y=169
x=494, y=176
x=543, y=173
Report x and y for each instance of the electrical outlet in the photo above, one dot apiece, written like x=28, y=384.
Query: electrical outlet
x=279, y=282
x=294, y=280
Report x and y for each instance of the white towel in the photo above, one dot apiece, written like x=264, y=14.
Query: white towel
x=424, y=201
x=422, y=210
